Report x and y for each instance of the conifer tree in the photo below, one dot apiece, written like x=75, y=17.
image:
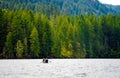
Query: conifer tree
x=34, y=45
x=19, y=49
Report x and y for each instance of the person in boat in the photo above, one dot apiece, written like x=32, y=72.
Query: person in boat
x=45, y=60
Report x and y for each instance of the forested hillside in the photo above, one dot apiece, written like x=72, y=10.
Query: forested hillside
x=25, y=34
x=67, y=7
x=59, y=29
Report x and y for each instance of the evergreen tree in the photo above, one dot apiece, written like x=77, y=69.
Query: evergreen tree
x=45, y=37
x=19, y=49
x=35, y=47
x=9, y=45
x=3, y=32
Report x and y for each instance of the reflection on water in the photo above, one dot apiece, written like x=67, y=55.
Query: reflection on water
x=81, y=74
x=60, y=68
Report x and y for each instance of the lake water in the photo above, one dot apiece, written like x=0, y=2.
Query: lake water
x=60, y=68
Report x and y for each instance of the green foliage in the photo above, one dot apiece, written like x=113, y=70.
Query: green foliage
x=56, y=7
x=66, y=50
x=3, y=30
x=36, y=35
x=19, y=49
x=9, y=45
x=35, y=47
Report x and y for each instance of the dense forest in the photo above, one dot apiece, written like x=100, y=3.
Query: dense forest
x=68, y=7
x=25, y=34
x=59, y=29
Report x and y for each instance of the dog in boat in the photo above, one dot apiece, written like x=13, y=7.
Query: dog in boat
x=45, y=60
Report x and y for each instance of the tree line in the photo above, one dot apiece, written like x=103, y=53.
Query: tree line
x=25, y=34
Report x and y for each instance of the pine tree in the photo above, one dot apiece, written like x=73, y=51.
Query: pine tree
x=35, y=47
x=9, y=45
x=3, y=31
x=19, y=49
